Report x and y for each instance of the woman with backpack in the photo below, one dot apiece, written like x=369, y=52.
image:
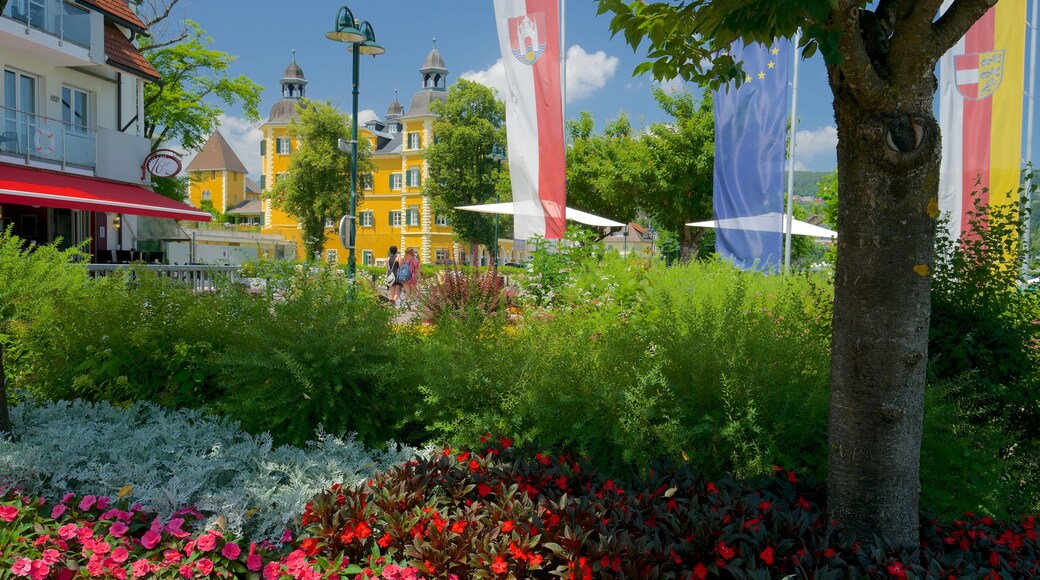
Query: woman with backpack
x=408, y=274
x=393, y=285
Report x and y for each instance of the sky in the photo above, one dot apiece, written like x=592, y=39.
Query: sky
x=263, y=34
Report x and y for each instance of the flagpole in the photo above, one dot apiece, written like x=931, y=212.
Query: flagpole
x=789, y=218
x=1030, y=104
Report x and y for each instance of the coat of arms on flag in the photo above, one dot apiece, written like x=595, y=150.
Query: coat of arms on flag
x=978, y=75
x=524, y=39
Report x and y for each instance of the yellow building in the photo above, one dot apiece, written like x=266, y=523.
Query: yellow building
x=392, y=209
x=218, y=176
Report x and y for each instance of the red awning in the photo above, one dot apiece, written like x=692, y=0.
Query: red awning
x=28, y=186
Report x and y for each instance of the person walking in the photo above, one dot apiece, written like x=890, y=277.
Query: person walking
x=410, y=275
x=393, y=284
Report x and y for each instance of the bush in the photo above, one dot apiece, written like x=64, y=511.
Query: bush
x=456, y=293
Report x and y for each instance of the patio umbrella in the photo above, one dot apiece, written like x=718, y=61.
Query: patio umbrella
x=506, y=208
x=768, y=222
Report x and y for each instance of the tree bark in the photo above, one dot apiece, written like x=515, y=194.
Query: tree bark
x=888, y=175
x=5, y=416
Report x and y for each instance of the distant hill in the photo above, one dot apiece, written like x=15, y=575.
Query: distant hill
x=805, y=182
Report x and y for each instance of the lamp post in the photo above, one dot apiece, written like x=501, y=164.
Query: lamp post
x=497, y=156
x=361, y=39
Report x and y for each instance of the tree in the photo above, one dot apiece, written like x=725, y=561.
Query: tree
x=317, y=186
x=880, y=59
x=470, y=122
x=175, y=107
x=607, y=174
x=683, y=153
x=33, y=281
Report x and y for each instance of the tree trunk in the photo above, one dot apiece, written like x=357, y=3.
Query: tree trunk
x=5, y=416
x=888, y=174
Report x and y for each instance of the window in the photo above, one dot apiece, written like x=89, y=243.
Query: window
x=74, y=110
x=263, y=183
x=441, y=255
x=395, y=181
x=441, y=220
x=367, y=258
x=391, y=128
x=367, y=218
x=284, y=145
x=413, y=140
x=331, y=256
x=368, y=182
x=20, y=108
x=413, y=215
x=329, y=223
x=206, y=194
x=395, y=218
x=263, y=147
x=414, y=177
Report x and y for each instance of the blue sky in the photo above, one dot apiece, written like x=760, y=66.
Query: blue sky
x=263, y=33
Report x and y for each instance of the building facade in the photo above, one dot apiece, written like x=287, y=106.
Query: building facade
x=72, y=139
x=392, y=209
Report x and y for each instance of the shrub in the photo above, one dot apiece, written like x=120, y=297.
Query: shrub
x=456, y=293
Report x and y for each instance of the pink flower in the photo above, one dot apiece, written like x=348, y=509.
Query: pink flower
x=185, y=571
x=87, y=502
x=102, y=548
x=118, y=573
x=150, y=539
x=118, y=529
x=254, y=562
x=21, y=567
x=56, y=511
x=102, y=502
x=120, y=554
x=67, y=531
x=51, y=556
x=206, y=542
x=286, y=536
x=68, y=496
x=8, y=513
x=231, y=551
x=39, y=570
x=140, y=568
x=272, y=570
x=170, y=556
x=174, y=527
x=205, y=566
x=392, y=572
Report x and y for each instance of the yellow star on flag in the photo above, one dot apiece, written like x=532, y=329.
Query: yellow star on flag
x=776, y=51
x=761, y=75
x=772, y=64
x=747, y=79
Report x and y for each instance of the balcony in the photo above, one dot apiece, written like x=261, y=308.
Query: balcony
x=38, y=138
x=66, y=22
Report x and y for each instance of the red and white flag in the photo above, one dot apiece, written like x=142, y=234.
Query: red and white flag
x=529, y=36
x=981, y=83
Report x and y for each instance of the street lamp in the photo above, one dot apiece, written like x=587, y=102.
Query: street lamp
x=361, y=39
x=497, y=156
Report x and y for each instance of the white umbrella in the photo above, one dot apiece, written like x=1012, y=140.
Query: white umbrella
x=768, y=222
x=506, y=208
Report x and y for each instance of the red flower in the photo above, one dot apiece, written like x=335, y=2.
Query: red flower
x=499, y=566
x=725, y=551
x=792, y=477
x=767, y=555
x=561, y=482
x=473, y=465
x=534, y=559
x=700, y=572
x=362, y=530
x=458, y=527
x=446, y=452
x=463, y=457
x=896, y=569
x=765, y=506
x=803, y=504
x=542, y=459
x=310, y=546
x=484, y=438
x=994, y=559
x=828, y=553
x=385, y=540
x=711, y=488
x=483, y=489
x=506, y=442
x=507, y=526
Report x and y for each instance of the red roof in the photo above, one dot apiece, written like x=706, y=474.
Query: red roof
x=123, y=54
x=119, y=10
x=638, y=228
x=29, y=186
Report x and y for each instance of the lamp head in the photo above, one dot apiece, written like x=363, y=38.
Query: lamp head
x=369, y=44
x=498, y=153
x=346, y=28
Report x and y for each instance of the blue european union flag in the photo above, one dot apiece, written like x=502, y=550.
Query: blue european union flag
x=750, y=135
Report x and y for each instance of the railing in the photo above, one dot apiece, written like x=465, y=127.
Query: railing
x=251, y=228
x=199, y=278
x=38, y=137
x=57, y=18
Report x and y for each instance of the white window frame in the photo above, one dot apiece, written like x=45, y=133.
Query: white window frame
x=330, y=223
x=332, y=256
x=71, y=100
x=414, y=140
x=368, y=182
x=413, y=215
x=441, y=255
x=367, y=219
x=391, y=128
x=206, y=195
x=414, y=177
x=395, y=218
x=367, y=258
x=396, y=181
x=283, y=145
x=440, y=219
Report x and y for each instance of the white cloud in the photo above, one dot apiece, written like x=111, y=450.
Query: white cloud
x=366, y=115
x=586, y=73
x=816, y=149
x=672, y=85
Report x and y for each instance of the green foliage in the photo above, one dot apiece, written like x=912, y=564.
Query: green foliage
x=457, y=293
x=317, y=186
x=555, y=261
x=311, y=354
x=470, y=122
x=607, y=174
x=178, y=109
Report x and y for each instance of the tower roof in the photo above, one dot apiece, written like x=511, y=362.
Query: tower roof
x=217, y=155
x=434, y=62
x=293, y=87
x=396, y=109
x=434, y=84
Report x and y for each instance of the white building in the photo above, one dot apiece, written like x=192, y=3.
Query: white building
x=72, y=144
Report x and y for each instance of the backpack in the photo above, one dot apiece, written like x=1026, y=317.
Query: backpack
x=391, y=273
x=404, y=272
